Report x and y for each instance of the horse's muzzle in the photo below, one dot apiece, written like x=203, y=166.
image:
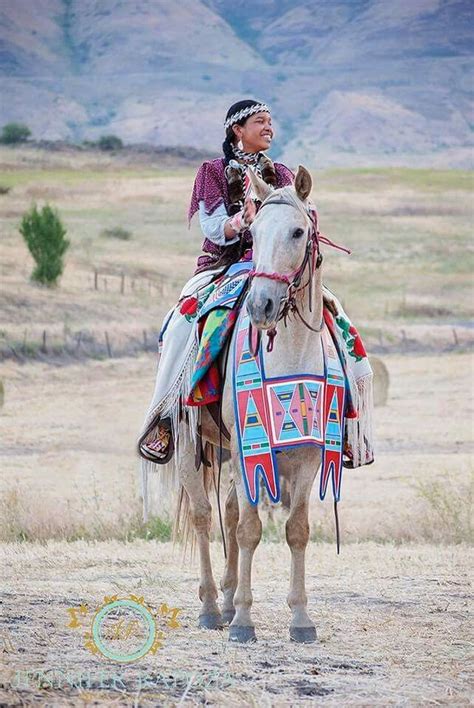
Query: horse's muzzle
x=263, y=309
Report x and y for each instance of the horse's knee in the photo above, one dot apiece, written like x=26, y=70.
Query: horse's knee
x=232, y=509
x=297, y=531
x=249, y=532
x=201, y=515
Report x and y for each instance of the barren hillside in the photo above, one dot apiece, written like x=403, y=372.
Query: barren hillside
x=349, y=82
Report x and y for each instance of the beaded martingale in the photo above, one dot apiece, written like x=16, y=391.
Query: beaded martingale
x=273, y=414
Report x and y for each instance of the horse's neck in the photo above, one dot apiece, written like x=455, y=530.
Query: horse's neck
x=297, y=349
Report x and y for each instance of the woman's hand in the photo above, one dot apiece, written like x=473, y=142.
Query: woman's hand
x=250, y=210
x=242, y=220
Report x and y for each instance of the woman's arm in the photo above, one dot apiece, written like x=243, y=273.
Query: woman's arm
x=216, y=226
x=221, y=229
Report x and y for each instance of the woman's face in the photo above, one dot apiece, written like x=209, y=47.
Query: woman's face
x=256, y=134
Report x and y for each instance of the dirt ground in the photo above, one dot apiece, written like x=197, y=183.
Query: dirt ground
x=393, y=625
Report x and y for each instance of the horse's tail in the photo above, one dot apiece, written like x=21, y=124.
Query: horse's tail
x=159, y=489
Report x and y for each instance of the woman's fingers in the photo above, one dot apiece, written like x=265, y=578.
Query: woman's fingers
x=249, y=210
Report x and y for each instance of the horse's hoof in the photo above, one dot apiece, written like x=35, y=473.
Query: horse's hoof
x=210, y=620
x=303, y=635
x=228, y=616
x=242, y=634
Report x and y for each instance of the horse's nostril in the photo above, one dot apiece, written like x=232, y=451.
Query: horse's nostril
x=269, y=307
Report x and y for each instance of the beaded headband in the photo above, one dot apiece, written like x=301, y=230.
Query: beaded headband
x=245, y=113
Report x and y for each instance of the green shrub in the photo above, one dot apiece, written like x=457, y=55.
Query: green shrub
x=117, y=232
x=110, y=142
x=14, y=133
x=44, y=235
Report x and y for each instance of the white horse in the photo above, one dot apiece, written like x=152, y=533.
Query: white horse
x=282, y=231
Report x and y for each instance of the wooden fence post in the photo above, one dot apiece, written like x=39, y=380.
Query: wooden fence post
x=107, y=341
x=96, y=279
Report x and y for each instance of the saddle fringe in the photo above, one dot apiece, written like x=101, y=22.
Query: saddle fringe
x=182, y=432
x=360, y=429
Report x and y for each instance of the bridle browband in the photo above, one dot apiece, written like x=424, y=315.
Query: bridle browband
x=312, y=261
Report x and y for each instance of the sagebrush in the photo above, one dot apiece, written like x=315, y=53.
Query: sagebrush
x=45, y=236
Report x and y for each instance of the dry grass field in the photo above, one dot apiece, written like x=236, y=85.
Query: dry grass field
x=392, y=611
x=393, y=627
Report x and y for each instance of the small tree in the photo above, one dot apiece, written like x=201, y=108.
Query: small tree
x=14, y=133
x=110, y=142
x=44, y=235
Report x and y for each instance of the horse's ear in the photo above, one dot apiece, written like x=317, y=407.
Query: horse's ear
x=303, y=183
x=261, y=188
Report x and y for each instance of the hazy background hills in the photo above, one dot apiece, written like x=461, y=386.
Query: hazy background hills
x=349, y=81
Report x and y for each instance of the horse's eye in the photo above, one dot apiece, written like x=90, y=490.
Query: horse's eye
x=297, y=233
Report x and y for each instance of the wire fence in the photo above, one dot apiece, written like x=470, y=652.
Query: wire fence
x=74, y=346
x=123, y=283
x=108, y=344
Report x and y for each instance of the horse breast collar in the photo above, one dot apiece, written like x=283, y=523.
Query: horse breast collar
x=274, y=414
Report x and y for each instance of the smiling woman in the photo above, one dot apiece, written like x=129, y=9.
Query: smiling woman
x=223, y=192
x=227, y=204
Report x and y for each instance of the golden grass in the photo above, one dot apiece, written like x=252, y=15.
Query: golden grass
x=409, y=230
x=70, y=467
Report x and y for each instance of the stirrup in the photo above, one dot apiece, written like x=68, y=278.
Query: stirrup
x=161, y=448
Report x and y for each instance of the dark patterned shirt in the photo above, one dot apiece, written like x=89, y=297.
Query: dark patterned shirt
x=210, y=186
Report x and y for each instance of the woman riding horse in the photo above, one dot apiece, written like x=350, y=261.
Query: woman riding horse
x=225, y=198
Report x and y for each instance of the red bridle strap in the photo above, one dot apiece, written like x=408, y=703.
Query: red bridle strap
x=273, y=276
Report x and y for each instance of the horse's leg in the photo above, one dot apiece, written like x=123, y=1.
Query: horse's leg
x=200, y=511
x=302, y=629
x=249, y=532
x=229, y=579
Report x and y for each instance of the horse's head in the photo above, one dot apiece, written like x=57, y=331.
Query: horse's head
x=281, y=232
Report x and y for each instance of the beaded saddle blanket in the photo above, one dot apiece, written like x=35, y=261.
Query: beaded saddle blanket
x=274, y=414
